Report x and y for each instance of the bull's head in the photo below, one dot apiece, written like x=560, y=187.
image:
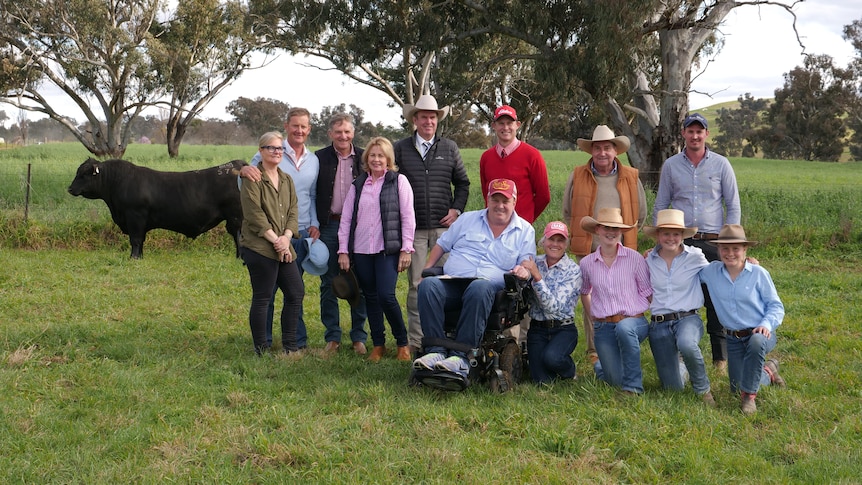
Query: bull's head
x=86, y=181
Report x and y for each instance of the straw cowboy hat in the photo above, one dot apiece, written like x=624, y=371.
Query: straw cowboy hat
x=426, y=102
x=608, y=216
x=603, y=133
x=670, y=219
x=731, y=234
x=345, y=286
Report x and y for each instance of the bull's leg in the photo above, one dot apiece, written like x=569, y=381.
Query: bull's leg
x=234, y=226
x=137, y=242
x=137, y=230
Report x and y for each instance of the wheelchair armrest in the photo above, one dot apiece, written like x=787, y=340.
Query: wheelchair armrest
x=514, y=284
x=432, y=271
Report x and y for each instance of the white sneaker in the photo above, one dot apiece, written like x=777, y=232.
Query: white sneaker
x=427, y=361
x=454, y=364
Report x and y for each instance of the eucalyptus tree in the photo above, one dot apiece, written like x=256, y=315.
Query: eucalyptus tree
x=114, y=59
x=196, y=53
x=92, y=52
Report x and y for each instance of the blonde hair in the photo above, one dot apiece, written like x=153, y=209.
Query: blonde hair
x=266, y=139
x=388, y=152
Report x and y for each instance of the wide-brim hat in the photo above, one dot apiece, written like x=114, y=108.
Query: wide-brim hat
x=732, y=234
x=603, y=133
x=426, y=102
x=345, y=286
x=670, y=219
x=607, y=216
x=317, y=259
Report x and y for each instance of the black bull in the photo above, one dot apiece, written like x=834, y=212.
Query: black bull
x=140, y=199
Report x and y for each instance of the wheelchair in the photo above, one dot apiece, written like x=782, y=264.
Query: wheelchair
x=498, y=360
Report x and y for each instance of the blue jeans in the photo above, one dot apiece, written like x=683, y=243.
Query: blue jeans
x=550, y=351
x=329, y=313
x=745, y=359
x=264, y=273
x=618, y=346
x=473, y=297
x=670, y=338
x=377, y=275
x=301, y=335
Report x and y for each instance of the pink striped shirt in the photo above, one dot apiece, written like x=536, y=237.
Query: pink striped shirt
x=624, y=288
x=368, y=236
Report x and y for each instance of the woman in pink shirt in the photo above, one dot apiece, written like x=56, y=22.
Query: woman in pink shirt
x=616, y=291
x=376, y=232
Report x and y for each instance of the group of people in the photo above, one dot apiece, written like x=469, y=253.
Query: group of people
x=393, y=208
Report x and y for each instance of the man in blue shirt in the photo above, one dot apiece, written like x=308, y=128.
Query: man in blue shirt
x=482, y=246
x=701, y=183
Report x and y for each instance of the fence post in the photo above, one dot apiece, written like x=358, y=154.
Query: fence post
x=27, y=194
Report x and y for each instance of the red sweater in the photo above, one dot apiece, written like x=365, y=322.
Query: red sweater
x=526, y=167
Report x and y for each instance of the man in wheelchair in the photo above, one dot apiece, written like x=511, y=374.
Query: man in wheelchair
x=483, y=246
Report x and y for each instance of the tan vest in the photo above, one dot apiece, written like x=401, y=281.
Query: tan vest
x=584, y=188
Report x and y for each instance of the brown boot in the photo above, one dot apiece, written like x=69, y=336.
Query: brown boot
x=377, y=353
x=404, y=354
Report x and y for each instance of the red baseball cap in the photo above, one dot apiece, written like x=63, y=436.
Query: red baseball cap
x=556, y=227
x=505, y=110
x=502, y=186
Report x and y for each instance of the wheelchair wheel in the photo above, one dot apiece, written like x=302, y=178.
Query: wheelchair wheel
x=510, y=369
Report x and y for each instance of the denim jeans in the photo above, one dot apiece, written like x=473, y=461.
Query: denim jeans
x=264, y=274
x=301, y=335
x=745, y=359
x=618, y=346
x=377, y=275
x=473, y=297
x=673, y=337
x=550, y=351
x=329, y=313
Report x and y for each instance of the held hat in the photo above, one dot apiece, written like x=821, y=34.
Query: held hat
x=603, y=133
x=317, y=260
x=608, y=216
x=502, y=186
x=426, y=102
x=731, y=234
x=505, y=110
x=556, y=227
x=670, y=219
x=345, y=286
x=695, y=118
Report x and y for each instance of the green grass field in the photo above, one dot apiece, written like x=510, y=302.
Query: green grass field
x=119, y=371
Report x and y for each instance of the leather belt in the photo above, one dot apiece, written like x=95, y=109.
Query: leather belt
x=704, y=236
x=617, y=318
x=335, y=217
x=551, y=323
x=669, y=317
x=739, y=333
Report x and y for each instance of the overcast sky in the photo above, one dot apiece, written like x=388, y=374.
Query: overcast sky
x=760, y=48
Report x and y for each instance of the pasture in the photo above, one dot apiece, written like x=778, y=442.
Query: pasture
x=116, y=370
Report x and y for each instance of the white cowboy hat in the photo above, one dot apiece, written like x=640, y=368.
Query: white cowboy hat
x=670, y=219
x=603, y=133
x=607, y=216
x=426, y=102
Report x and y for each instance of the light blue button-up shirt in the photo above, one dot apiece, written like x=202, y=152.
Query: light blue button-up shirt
x=474, y=251
x=749, y=302
x=676, y=289
x=703, y=193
